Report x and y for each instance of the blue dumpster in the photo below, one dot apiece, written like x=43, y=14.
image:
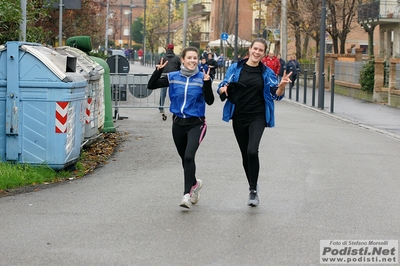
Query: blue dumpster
x=41, y=99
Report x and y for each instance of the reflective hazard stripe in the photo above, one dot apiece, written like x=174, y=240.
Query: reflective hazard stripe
x=88, y=107
x=61, y=117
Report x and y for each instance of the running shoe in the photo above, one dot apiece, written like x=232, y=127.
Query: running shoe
x=185, y=203
x=253, y=198
x=194, y=192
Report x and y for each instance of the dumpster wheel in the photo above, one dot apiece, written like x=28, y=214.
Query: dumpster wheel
x=164, y=117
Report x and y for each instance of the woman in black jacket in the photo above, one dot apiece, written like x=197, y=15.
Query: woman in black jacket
x=212, y=65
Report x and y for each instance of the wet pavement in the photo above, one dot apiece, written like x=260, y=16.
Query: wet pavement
x=323, y=176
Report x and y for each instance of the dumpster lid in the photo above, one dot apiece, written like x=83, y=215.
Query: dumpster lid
x=87, y=64
x=56, y=62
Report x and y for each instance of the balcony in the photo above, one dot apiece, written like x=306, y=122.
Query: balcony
x=379, y=12
x=204, y=6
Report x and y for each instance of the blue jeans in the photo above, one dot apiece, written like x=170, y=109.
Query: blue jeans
x=163, y=94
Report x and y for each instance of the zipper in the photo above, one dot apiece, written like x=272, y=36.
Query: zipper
x=185, y=97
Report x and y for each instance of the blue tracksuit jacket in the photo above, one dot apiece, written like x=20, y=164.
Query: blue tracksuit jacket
x=270, y=87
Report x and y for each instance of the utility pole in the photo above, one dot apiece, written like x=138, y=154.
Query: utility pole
x=144, y=32
x=120, y=27
x=60, y=24
x=221, y=46
x=185, y=17
x=169, y=22
x=321, y=76
x=130, y=26
x=259, y=21
x=284, y=30
x=236, y=29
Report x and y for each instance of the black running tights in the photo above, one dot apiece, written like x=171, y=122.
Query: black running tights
x=248, y=136
x=187, y=140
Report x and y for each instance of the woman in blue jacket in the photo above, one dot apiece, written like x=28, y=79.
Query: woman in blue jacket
x=253, y=107
x=189, y=91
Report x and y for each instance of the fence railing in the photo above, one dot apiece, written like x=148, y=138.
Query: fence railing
x=397, y=86
x=348, y=71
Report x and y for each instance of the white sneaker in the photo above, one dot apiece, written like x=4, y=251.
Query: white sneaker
x=185, y=203
x=253, y=198
x=194, y=192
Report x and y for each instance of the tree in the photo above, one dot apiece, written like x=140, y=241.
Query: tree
x=312, y=23
x=193, y=34
x=137, y=30
x=10, y=16
x=340, y=16
x=295, y=20
x=155, y=20
x=370, y=30
x=10, y=19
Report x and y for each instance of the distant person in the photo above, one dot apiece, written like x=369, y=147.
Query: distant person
x=206, y=52
x=189, y=92
x=203, y=65
x=174, y=64
x=353, y=49
x=215, y=55
x=239, y=57
x=126, y=52
x=221, y=60
x=140, y=55
x=294, y=67
x=212, y=65
x=272, y=62
x=228, y=62
x=282, y=67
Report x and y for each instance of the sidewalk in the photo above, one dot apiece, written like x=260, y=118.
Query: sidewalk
x=374, y=116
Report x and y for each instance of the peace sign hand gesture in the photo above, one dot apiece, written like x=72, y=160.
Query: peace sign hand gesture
x=285, y=78
x=206, y=75
x=284, y=81
x=162, y=64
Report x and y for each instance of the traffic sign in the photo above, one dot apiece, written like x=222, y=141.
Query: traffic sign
x=224, y=36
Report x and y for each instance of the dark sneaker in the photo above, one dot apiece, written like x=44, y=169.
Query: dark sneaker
x=195, y=192
x=253, y=198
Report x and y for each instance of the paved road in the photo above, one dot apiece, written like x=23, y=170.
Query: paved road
x=322, y=177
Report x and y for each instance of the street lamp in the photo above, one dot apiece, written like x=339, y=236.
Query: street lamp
x=169, y=21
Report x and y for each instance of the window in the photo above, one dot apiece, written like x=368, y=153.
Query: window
x=259, y=24
x=365, y=48
x=329, y=48
x=126, y=31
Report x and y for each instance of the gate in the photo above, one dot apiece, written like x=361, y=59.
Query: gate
x=130, y=91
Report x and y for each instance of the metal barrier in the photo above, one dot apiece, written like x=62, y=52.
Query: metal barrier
x=348, y=71
x=397, y=79
x=138, y=97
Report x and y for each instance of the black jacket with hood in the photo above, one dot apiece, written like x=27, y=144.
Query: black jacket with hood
x=174, y=62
